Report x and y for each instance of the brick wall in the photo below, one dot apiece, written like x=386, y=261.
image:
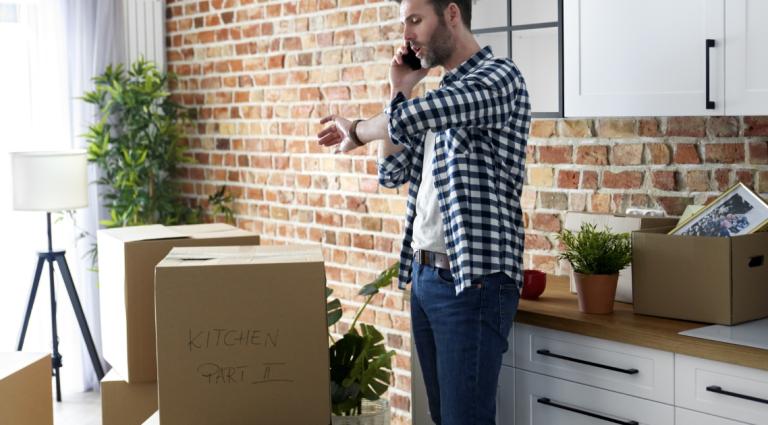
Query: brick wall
x=261, y=74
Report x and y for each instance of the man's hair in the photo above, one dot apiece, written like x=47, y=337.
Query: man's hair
x=465, y=6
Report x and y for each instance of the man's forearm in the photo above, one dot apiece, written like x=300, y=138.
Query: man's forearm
x=376, y=129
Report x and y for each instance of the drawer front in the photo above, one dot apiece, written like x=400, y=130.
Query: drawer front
x=721, y=389
x=543, y=400
x=689, y=417
x=624, y=368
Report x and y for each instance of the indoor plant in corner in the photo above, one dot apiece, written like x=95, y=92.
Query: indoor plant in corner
x=360, y=364
x=596, y=257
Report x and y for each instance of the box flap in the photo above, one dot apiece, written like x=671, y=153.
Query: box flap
x=617, y=223
x=142, y=233
x=234, y=255
x=749, y=271
x=13, y=362
x=209, y=230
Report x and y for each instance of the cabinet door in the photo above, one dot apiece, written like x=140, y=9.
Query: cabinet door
x=746, y=57
x=635, y=58
x=689, y=417
x=542, y=400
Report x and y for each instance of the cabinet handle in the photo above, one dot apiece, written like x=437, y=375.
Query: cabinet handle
x=719, y=390
x=588, y=363
x=548, y=402
x=710, y=43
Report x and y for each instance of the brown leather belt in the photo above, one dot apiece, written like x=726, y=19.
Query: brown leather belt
x=434, y=259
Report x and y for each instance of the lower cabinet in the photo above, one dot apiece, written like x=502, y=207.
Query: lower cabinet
x=689, y=417
x=543, y=400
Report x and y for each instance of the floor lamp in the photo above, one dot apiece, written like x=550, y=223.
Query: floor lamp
x=50, y=182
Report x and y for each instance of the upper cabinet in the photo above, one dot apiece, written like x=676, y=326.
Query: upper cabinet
x=529, y=32
x=665, y=58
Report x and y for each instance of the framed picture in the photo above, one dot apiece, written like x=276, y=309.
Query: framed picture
x=738, y=211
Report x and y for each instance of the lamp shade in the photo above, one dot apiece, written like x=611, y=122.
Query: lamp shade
x=49, y=181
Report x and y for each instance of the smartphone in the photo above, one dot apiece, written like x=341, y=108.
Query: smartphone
x=411, y=60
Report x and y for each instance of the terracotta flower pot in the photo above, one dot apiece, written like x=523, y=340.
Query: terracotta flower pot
x=596, y=292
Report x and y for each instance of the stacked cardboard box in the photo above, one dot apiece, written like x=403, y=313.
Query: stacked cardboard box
x=127, y=260
x=126, y=404
x=242, y=336
x=25, y=389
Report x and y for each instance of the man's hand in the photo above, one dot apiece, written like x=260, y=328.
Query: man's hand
x=336, y=134
x=401, y=77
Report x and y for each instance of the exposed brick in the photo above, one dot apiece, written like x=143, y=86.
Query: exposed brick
x=664, y=180
x=697, y=181
x=577, y=201
x=686, y=126
x=722, y=179
x=614, y=128
x=723, y=126
x=648, y=127
x=658, y=153
x=627, y=154
x=543, y=128
x=600, y=202
x=574, y=128
x=555, y=154
x=762, y=183
x=544, y=263
x=553, y=200
x=528, y=198
x=686, y=154
x=541, y=176
x=623, y=180
x=539, y=242
x=756, y=126
x=568, y=179
x=758, y=152
x=746, y=177
x=589, y=180
x=674, y=205
x=592, y=155
x=546, y=222
x=724, y=153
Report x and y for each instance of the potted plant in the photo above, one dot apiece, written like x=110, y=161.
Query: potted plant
x=360, y=365
x=596, y=257
x=136, y=142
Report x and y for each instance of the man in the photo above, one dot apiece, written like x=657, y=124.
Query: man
x=462, y=149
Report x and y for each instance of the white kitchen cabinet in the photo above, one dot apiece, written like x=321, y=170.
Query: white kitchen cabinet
x=624, y=368
x=543, y=400
x=636, y=58
x=721, y=389
x=746, y=57
x=689, y=417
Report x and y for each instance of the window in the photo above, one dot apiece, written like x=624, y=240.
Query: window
x=529, y=32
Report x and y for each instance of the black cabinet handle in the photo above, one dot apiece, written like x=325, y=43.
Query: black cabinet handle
x=709, y=45
x=719, y=390
x=544, y=352
x=548, y=402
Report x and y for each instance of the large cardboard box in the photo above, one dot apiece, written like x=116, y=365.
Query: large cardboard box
x=242, y=336
x=153, y=420
x=25, y=389
x=617, y=224
x=127, y=260
x=703, y=279
x=123, y=403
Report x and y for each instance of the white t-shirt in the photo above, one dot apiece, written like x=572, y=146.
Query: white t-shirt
x=428, y=233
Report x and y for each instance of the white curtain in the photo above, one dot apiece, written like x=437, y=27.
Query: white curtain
x=51, y=50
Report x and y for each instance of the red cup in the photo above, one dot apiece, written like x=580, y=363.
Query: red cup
x=534, y=282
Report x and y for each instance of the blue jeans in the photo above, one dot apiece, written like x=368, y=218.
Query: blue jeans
x=460, y=342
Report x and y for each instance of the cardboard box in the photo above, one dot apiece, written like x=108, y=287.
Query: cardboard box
x=25, y=389
x=153, y=420
x=242, y=336
x=617, y=224
x=127, y=260
x=123, y=403
x=702, y=279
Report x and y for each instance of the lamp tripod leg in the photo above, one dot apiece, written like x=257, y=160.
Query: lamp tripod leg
x=55, y=333
x=31, y=302
x=69, y=284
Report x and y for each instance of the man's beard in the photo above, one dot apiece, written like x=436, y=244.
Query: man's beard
x=440, y=46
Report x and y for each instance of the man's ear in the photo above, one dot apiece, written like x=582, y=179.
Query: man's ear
x=452, y=14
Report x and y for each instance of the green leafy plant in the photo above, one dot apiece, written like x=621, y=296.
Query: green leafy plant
x=592, y=251
x=360, y=365
x=136, y=145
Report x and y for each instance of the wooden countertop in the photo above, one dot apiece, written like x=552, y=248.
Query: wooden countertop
x=558, y=309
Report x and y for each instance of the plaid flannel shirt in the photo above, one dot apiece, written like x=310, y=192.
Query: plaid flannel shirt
x=480, y=116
